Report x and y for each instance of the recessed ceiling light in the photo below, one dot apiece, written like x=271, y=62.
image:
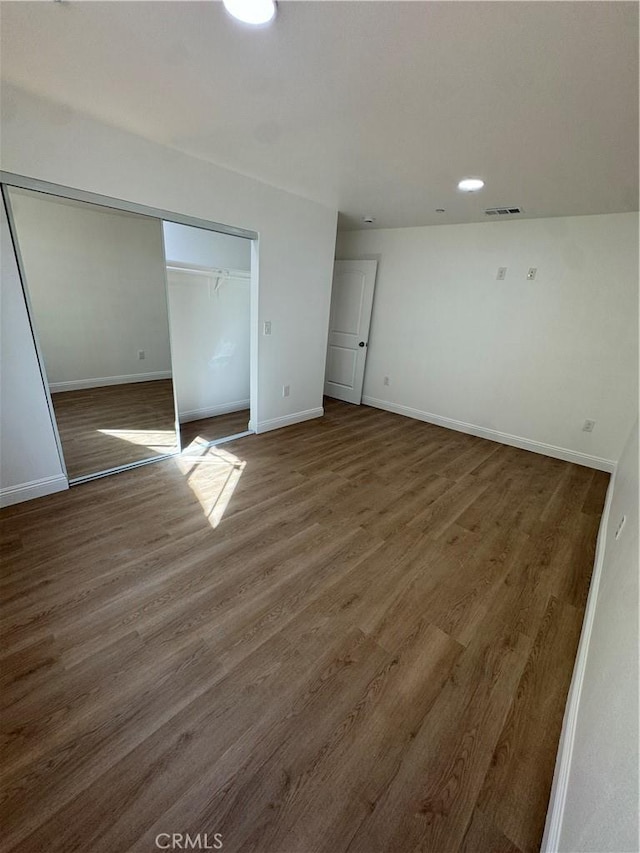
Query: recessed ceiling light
x=470, y=185
x=369, y=219
x=439, y=209
x=254, y=12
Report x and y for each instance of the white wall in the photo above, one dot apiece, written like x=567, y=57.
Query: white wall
x=202, y=248
x=530, y=359
x=601, y=812
x=29, y=462
x=297, y=237
x=96, y=282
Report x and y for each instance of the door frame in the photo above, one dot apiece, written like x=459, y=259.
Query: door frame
x=10, y=179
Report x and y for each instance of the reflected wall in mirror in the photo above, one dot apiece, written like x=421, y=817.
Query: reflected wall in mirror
x=209, y=277
x=96, y=283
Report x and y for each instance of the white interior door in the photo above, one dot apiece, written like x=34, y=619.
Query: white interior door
x=351, y=303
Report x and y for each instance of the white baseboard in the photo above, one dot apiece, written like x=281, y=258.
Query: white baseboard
x=213, y=411
x=102, y=381
x=564, y=453
x=560, y=786
x=288, y=420
x=35, y=489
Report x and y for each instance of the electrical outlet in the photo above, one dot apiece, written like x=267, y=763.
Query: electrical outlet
x=502, y=274
x=267, y=327
x=286, y=390
x=385, y=381
x=532, y=273
x=141, y=355
x=588, y=426
x=620, y=526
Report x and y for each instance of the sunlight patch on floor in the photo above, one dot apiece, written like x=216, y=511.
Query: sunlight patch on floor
x=197, y=445
x=160, y=441
x=212, y=475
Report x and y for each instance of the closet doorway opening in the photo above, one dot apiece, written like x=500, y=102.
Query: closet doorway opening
x=210, y=319
x=99, y=318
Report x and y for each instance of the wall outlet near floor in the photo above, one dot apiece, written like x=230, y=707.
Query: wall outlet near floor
x=588, y=426
x=620, y=526
x=141, y=355
x=286, y=390
x=502, y=274
x=267, y=327
x=531, y=274
x=385, y=381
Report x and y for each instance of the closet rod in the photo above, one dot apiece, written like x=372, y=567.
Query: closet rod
x=210, y=271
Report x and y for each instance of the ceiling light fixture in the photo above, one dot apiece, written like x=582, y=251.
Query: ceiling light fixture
x=369, y=219
x=470, y=185
x=253, y=12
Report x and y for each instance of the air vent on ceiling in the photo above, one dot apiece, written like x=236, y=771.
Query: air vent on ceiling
x=502, y=211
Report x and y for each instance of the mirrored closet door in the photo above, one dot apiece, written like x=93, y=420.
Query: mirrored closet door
x=95, y=279
x=209, y=280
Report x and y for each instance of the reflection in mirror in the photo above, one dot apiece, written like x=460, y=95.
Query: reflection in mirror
x=209, y=279
x=96, y=283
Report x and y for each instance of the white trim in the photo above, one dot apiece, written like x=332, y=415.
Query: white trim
x=560, y=786
x=174, y=390
x=288, y=420
x=564, y=453
x=34, y=489
x=102, y=381
x=213, y=411
x=27, y=183
x=254, y=337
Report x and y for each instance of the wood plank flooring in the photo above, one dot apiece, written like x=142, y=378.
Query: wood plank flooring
x=104, y=428
x=211, y=429
x=353, y=635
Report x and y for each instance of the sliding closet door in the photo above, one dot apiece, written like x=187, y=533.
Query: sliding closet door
x=209, y=284
x=96, y=284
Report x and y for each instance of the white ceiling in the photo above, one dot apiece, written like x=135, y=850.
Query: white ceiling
x=370, y=107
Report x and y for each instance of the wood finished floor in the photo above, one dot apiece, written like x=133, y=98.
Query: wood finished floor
x=212, y=429
x=355, y=634
x=104, y=428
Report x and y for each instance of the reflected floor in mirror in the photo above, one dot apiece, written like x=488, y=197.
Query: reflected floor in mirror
x=104, y=428
x=212, y=429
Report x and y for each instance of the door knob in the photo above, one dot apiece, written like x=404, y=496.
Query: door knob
x=361, y=344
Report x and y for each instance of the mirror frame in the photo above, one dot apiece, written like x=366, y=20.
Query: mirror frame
x=10, y=180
